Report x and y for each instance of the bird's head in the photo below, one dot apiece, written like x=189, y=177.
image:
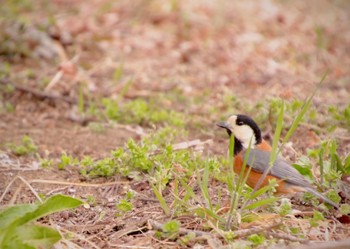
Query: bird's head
x=244, y=129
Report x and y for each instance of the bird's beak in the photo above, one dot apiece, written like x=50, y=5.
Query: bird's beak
x=224, y=124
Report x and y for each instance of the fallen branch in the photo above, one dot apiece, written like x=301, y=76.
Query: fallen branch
x=285, y=237
x=249, y=231
x=40, y=94
x=343, y=244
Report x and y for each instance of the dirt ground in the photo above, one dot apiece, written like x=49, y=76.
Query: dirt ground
x=203, y=51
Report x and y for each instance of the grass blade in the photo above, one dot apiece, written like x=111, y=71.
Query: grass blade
x=303, y=110
x=277, y=135
x=203, y=184
x=261, y=203
x=161, y=200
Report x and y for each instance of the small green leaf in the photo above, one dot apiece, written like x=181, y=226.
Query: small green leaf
x=118, y=73
x=318, y=216
x=124, y=206
x=263, y=190
x=161, y=200
x=171, y=227
x=305, y=171
x=333, y=196
x=261, y=203
x=345, y=209
x=256, y=239
x=285, y=208
x=230, y=235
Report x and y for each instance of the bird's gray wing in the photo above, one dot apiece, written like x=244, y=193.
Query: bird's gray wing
x=259, y=160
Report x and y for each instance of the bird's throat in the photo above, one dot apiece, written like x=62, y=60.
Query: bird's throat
x=238, y=147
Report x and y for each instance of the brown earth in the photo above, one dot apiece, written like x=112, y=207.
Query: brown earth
x=200, y=49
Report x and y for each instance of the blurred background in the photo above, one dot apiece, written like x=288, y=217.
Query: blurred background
x=147, y=63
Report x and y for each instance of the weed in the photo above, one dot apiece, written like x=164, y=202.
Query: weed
x=285, y=207
x=141, y=112
x=66, y=160
x=316, y=218
x=46, y=163
x=256, y=239
x=129, y=195
x=111, y=109
x=124, y=206
x=171, y=228
x=105, y=167
x=161, y=200
x=331, y=167
x=25, y=148
x=118, y=73
x=345, y=209
x=341, y=116
x=153, y=155
x=185, y=240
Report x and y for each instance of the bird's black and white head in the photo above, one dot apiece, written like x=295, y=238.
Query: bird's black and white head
x=245, y=130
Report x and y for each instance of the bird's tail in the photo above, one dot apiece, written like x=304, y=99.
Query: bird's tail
x=318, y=194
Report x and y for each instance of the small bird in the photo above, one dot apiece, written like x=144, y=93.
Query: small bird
x=246, y=132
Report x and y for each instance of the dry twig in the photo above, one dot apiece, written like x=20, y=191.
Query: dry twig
x=40, y=94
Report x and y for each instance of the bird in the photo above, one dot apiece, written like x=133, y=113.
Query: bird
x=247, y=134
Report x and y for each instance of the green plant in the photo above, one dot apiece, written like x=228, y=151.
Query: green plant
x=316, y=218
x=46, y=163
x=285, y=207
x=256, y=239
x=124, y=206
x=66, y=160
x=105, y=167
x=171, y=228
x=17, y=229
x=25, y=148
x=341, y=116
x=142, y=112
x=331, y=167
x=345, y=209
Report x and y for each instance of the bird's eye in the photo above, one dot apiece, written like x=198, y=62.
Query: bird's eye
x=240, y=123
